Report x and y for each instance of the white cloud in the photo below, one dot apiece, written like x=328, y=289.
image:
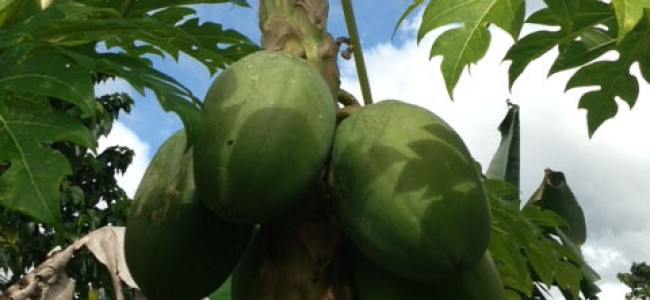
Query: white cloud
x=123, y=136
x=608, y=173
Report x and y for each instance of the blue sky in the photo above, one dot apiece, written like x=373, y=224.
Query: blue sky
x=608, y=173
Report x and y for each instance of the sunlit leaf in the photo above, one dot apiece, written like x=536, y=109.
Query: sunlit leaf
x=589, y=14
x=467, y=41
x=628, y=14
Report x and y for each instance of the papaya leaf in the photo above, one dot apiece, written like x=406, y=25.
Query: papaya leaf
x=555, y=195
x=505, y=162
x=542, y=260
x=565, y=10
x=48, y=74
x=589, y=276
x=141, y=7
x=409, y=10
x=468, y=42
x=171, y=94
x=527, y=250
x=31, y=184
x=568, y=279
x=628, y=14
x=588, y=15
x=593, y=43
x=613, y=78
x=218, y=46
x=543, y=218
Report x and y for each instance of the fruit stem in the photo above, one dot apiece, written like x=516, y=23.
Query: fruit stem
x=356, y=48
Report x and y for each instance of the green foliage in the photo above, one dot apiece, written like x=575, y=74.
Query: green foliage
x=54, y=54
x=467, y=43
x=587, y=30
x=526, y=250
x=89, y=198
x=529, y=246
x=628, y=14
x=31, y=184
x=638, y=280
x=505, y=162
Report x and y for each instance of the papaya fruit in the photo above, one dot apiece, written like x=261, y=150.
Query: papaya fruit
x=480, y=282
x=408, y=193
x=175, y=247
x=267, y=127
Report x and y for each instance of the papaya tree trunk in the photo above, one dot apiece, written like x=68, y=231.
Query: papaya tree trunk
x=299, y=27
x=300, y=253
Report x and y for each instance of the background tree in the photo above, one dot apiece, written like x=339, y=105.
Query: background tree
x=638, y=280
x=90, y=199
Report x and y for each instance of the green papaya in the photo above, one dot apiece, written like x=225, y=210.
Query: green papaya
x=554, y=194
x=267, y=128
x=408, y=193
x=175, y=247
x=480, y=282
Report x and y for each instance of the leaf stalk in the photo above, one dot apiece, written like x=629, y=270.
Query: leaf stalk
x=359, y=62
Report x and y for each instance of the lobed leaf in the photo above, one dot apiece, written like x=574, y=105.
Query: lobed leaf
x=589, y=14
x=48, y=73
x=613, y=78
x=468, y=40
x=31, y=183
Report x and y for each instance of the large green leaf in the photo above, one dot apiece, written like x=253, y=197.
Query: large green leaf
x=588, y=15
x=31, y=184
x=171, y=95
x=214, y=46
x=48, y=73
x=505, y=162
x=613, y=78
x=583, y=37
x=628, y=14
x=555, y=195
x=524, y=248
x=467, y=41
x=138, y=8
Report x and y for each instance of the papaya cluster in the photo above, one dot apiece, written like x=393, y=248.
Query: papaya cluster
x=406, y=191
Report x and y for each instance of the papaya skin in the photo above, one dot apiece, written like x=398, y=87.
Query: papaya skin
x=480, y=282
x=408, y=193
x=175, y=248
x=267, y=128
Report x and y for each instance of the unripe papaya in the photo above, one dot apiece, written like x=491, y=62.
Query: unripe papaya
x=480, y=282
x=267, y=128
x=408, y=193
x=175, y=247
